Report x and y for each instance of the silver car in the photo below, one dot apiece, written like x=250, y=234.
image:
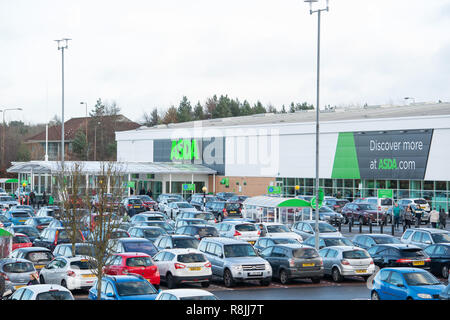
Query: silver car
x=239, y=230
x=307, y=229
x=423, y=237
x=234, y=260
x=17, y=272
x=342, y=261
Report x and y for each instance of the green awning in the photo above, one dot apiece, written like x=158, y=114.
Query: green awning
x=294, y=203
x=12, y=181
x=276, y=202
x=4, y=233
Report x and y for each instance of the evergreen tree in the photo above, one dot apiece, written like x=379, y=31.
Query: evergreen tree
x=155, y=119
x=259, y=108
x=79, y=145
x=210, y=106
x=235, y=108
x=184, y=111
x=198, y=112
x=283, y=109
x=292, y=108
x=222, y=109
x=245, y=109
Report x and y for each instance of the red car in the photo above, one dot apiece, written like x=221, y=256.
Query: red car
x=21, y=240
x=149, y=203
x=133, y=262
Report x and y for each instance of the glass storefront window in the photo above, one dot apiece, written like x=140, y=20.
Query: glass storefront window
x=416, y=185
x=441, y=185
x=348, y=183
x=381, y=184
x=404, y=184
x=391, y=184
x=328, y=183
x=428, y=185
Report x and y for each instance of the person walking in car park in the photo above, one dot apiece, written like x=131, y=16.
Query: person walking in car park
x=434, y=218
x=442, y=219
x=34, y=279
x=262, y=231
x=408, y=217
x=396, y=212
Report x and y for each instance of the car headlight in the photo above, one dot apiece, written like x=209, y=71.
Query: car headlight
x=268, y=267
x=424, y=295
x=237, y=268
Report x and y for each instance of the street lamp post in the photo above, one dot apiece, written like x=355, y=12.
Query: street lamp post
x=204, y=189
x=62, y=47
x=3, y=111
x=318, y=11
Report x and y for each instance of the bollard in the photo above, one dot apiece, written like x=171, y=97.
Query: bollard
x=339, y=226
x=393, y=229
x=360, y=228
x=350, y=226
x=370, y=226
x=381, y=228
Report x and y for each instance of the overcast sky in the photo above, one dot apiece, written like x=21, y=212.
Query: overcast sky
x=150, y=53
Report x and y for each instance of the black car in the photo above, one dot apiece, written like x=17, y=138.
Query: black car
x=265, y=242
x=197, y=200
x=367, y=241
x=399, y=255
x=148, y=232
x=439, y=254
x=294, y=261
x=51, y=237
x=176, y=241
x=39, y=223
x=31, y=232
x=224, y=209
x=132, y=206
x=198, y=231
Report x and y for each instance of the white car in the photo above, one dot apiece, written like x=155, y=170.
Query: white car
x=42, y=292
x=239, y=230
x=178, y=266
x=70, y=272
x=186, y=294
x=279, y=230
x=174, y=208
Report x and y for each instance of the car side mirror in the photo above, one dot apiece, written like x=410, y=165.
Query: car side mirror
x=400, y=285
x=110, y=295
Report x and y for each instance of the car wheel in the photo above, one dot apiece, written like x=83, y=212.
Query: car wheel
x=64, y=284
x=41, y=279
x=228, y=279
x=284, y=278
x=315, y=280
x=374, y=296
x=336, y=275
x=170, y=281
x=205, y=284
x=445, y=272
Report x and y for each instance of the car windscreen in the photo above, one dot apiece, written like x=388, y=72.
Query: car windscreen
x=305, y=253
x=184, y=205
x=232, y=206
x=204, y=216
x=383, y=240
x=83, y=264
x=154, y=233
x=2, y=199
x=326, y=209
x=85, y=250
x=64, y=235
x=324, y=227
x=54, y=295
x=285, y=240
x=367, y=206
x=239, y=250
x=420, y=279
x=43, y=220
x=207, y=232
x=140, y=246
x=39, y=256
x=134, y=288
x=329, y=242
x=185, y=243
x=163, y=225
x=441, y=237
x=420, y=201
x=413, y=253
x=245, y=227
x=119, y=234
x=21, y=239
x=191, y=258
x=20, y=214
x=386, y=202
x=139, y=262
x=135, y=201
x=18, y=267
x=31, y=232
x=155, y=218
x=199, y=298
x=277, y=228
x=355, y=254
x=145, y=198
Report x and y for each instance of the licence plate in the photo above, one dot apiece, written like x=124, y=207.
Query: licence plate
x=17, y=287
x=136, y=207
x=88, y=275
x=39, y=266
x=195, y=268
x=252, y=242
x=21, y=220
x=255, y=273
x=308, y=265
x=418, y=263
x=361, y=271
x=232, y=211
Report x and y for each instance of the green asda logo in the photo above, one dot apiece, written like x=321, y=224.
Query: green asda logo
x=184, y=149
x=387, y=164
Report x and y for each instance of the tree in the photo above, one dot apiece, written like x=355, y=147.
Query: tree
x=245, y=109
x=283, y=109
x=23, y=154
x=259, y=108
x=79, y=145
x=271, y=109
x=55, y=121
x=210, y=106
x=198, y=112
x=235, y=108
x=170, y=116
x=99, y=109
x=184, y=111
x=222, y=109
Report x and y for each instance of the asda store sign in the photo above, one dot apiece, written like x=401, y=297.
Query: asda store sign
x=382, y=155
x=184, y=149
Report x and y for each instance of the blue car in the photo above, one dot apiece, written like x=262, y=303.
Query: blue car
x=18, y=216
x=405, y=284
x=127, y=287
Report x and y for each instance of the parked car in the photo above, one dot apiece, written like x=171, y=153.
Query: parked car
x=307, y=229
x=126, y=287
x=76, y=272
x=148, y=202
x=265, y=242
x=163, y=225
x=181, y=222
x=235, y=260
x=198, y=231
x=131, y=206
x=240, y=230
x=382, y=204
x=39, y=256
x=7, y=202
x=366, y=241
x=238, y=198
x=334, y=203
x=31, y=232
x=51, y=237
x=147, y=216
x=132, y=244
x=28, y=208
x=342, y=261
x=176, y=241
x=399, y=255
x=16, y=271
x=39, y=223
x=150, y=233
x=186, y=294
x=109, y=202
x=294, y=261
x=440, y=259
x=328, y=241
x=4, y=221
x=362, y=213
x=165, y=196
x=224, y=209
x=21, y=240
x=18, y=217
x=49, y=211
x=178, y=266
x=208, y=217
x=133, y=263
x=81, y=249
x=224, y=196
x=163, y=205
x=42, y=292
x=423, y=237
x=278, y=230
x=405, y=284
x=174, y=208
x=417, y=201
x=197, y=200
x=445, y=293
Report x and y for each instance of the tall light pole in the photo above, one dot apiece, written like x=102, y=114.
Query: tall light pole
x=62, y=47
x=3, y=111
x=318, y=11
x=86, y=123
